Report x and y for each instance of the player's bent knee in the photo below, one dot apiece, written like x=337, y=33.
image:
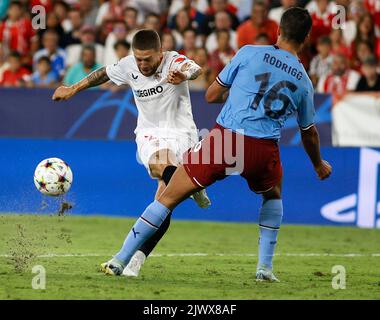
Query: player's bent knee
x=272, y=194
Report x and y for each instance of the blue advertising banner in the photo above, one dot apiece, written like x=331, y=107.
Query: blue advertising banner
x=96, y=114
x=109, y=181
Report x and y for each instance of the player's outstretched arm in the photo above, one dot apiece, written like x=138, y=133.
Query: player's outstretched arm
x=95, y=78
x=216, y=93
x=310, y=140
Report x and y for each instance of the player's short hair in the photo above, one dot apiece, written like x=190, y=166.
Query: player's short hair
x=295, y=25
x=146, y=39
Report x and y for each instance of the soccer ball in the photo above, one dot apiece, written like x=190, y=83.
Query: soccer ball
x=53, y=177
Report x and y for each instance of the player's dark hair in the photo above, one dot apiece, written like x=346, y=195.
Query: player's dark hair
x=295, y=25
x=146, y=39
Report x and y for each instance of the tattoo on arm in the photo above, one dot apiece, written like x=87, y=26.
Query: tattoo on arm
x=95, y=78
x=193, y=69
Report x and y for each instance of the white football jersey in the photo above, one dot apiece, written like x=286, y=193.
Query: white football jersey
x=160, y=105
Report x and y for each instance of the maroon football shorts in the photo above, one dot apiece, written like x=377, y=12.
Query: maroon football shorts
x=223, y=152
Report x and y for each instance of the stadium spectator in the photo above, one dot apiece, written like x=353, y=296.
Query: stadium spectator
x=53, y=23
x=16, y=32
x=320, y=65
x=16, y=75
x=262, y=39
x=322, y=18
x=222, y=22
x=4, y=65
x=47, y=4
x=224, y=52
x=363, y=50
x=122, y=49
x=338, y=44
x=275, y=14
x=168, y=42
x=50, y=49
x=89, y=10
x=44, y=76
x=182, y=22
x=130, y=15
x=244, y=10
x=370, y=80
x=313, y=6
x=215, y=7
x=110, y=10
x=72, y=30
x=373, y=7
x=355, y=11
x=208, y=74
x=152, y=21
x=199, y=5
x=146, y=7
x=340, y=79
x=189, y=44
x=118, y=33
x=74, y=51
x=365, y=31
x=83, y=68
x=196, y=17
x=61, y=10
x=259, y=23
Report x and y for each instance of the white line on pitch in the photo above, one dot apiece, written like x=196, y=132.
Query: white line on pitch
x=199, y=254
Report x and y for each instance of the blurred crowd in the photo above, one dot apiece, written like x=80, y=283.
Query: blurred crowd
x=341, y=55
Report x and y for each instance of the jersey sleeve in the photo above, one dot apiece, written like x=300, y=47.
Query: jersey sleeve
x=306, y=111
x=118, y=72
x=227, y=75
x=178, y=60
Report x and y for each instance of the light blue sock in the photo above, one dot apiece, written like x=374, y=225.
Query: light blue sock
x=269, y=222
x=143, y=229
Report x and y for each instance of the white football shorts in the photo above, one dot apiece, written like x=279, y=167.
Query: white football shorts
x=149, y=142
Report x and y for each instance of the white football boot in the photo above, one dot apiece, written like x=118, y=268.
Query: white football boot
x=265, y=274
x=201, y=199
x=135, y=264
x=112, y=267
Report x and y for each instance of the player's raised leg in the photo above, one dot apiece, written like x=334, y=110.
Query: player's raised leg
x=180, y=188
x=270, y=219
x=161, y=166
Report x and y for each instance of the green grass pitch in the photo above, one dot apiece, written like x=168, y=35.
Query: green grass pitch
x=195, y=260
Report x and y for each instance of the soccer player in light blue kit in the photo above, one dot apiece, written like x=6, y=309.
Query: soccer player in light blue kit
x=261, y=87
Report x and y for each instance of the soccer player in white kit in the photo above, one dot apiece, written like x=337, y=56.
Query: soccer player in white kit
x=165, y=126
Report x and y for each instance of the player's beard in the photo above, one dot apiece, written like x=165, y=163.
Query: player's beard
x=152, y=71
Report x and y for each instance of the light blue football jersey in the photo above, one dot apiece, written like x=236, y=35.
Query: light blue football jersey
x=267, y=84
